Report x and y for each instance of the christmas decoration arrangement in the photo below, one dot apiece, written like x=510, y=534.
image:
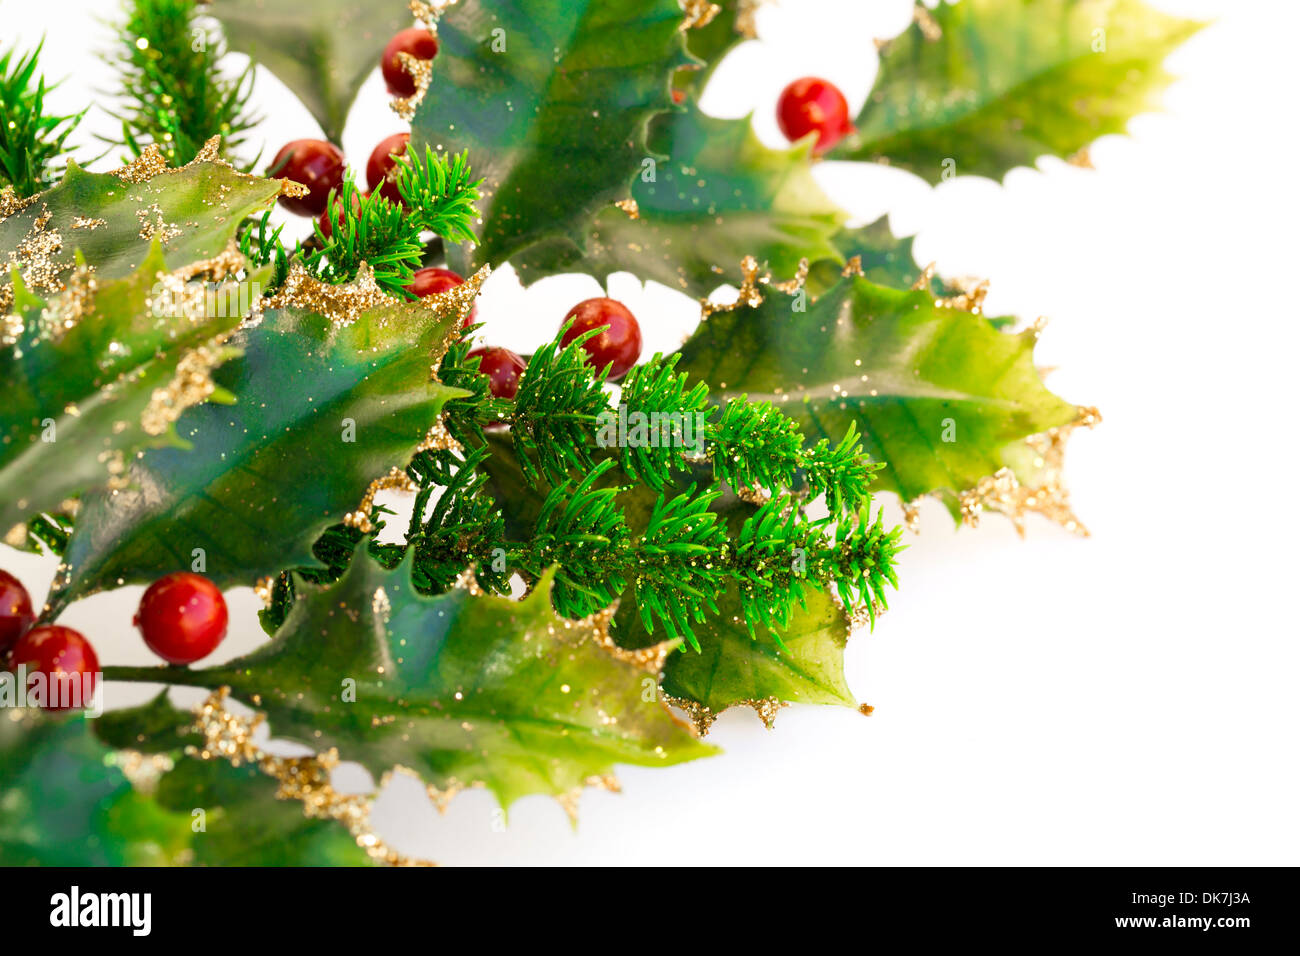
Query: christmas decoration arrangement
x=604, y=549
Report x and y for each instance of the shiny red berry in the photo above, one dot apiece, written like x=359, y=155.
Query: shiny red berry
x=314, y=163
x=15, y=610
x=812, y=105
x=618, y=346
x=66, y=659
x=433, y=280
x=418, y=42
x=182, y=617
x=383, y=158
x=502, y=367
x=327, y=227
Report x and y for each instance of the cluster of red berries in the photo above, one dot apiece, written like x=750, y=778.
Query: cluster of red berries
x=182, y=618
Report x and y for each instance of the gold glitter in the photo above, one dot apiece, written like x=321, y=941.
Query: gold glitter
x=649, y=659
x=429, y=13
x=1082, y=159
x=341, y=304
x=791, y=286
x=68, y=309
x=152, y=224
x=306, y=779
x=293, y=189
x=766, y=708
x=754, y=496
x=395, y=480
x=922, y=284
x=630, y=207
x=912, y=516
x=142, y=771
x=1049, y=497
x=866, y=710
x=84, y=222
x=852, y=269
x=749, y=295
x=33, y=260
x=747, y=19
x=264, y=589
x=16, y=537
x=929, y=27
x=970, y=295
x=701, y=717
x=191, y=384
x=699, y=13
x=149, y=164
x=10, y=203
x=421, y=71
x=439, y=439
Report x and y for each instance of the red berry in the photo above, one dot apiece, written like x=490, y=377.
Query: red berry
x=679, y=97
x=314, y=163
x=418, y=42
x=182, y=617
x=503, y=368
x=432, y=280
x=66, y=659
x=15, y=610
x=619, y=345
x=327, y=227
x=382, y=159
x=812, y=105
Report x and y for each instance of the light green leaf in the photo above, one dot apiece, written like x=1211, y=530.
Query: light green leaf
x=1007, y=81
x=321, y=410
x=465, y=690
x=936, y=393
x=323, y=50
x=551, y=97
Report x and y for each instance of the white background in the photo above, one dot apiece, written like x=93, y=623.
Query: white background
x=1119, y=700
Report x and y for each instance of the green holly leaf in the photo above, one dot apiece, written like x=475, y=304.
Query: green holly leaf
x=937, y=394
x=718, y=196
x=323, y=51
x=551, y=97
x=78, y=401
x=323, y=406
x=66, y=802
x=111, y=223
x=244, y=822
x=1006, y=81
x=464, y=689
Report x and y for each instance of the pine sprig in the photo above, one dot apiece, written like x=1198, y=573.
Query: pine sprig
x=177, y=97
x=374, y=231
x=30, y=141
x=561, y=415
x=438, y=191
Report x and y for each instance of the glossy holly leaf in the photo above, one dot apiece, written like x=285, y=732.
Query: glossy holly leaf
x=710, y=43
x=936, y=393
x=718, y=195
x=66, y=802
x=551, y=97
x=999, y=83
x=77, y=384
x=112, y=222
x=464, y=689
x=730, y=668
x=244, y=822
x=323, y=51
x=324, y=404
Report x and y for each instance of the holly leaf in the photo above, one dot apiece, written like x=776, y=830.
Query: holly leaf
x=719, y=196
x=982, y=86
x=332, y=390
x=937, y=393
x=323, y=51
x=112, y=219
x=66, y=802
x=245, y=824
x=551, y=97
x=79, y=380
x=464, y=689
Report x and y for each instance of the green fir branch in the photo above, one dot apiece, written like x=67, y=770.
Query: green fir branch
x=31, y=142
x=177, y=97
